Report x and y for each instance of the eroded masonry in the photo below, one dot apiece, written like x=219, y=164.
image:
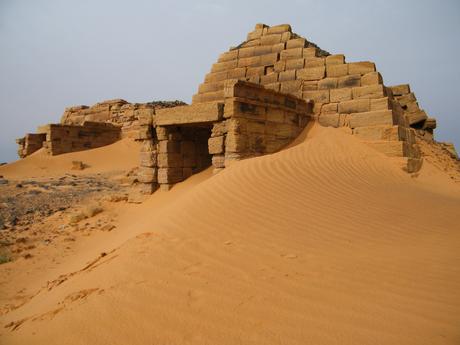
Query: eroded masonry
x=255, y=100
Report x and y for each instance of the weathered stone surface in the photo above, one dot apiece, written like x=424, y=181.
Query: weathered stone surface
x=329, y=120
x=362, y=67
x=370, y=91
x=312, y=73
x=349, y=81
x=335, y=59
x=170, y=175
x=195, y=113
x=399, y=90
x=327, y=83
x=416, y=117
x=216, y=145
x=377, y=133
x=319, y=96
x=337, y=70
x=292, y=53
x=354, y=106
x=340, y=95
x=296, y=43
x=371, y=78
x=371, y=118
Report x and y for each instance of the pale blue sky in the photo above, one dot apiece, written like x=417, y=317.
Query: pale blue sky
x=57, y=53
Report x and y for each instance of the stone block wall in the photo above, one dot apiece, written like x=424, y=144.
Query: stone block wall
x=30, y=143
x=343, y=94
x=251, y=121
x=71, y=138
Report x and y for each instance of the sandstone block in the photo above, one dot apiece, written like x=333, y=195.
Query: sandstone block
x=216, y=145
x=371, y=118
x=335, y=59
x=237, y=73
x=292, y=53
x=171, y=160
x=314, y=62
x=170, y=175
x=257, y=33
x=416, y=117
x=430, y=123
x=280, y=66
x=269, y=78
x=286, y=36
x=228, y=56
x=331, y=108
x=268, y=59
x=147, y=175
x=287, y=75
x=371, y=78
x=406, y=99
x=295, y=63
x=362, y=67
x=400, y=90
x=377, y=133
x=309, y=52
x=223, y=66
x=215, y=77
x=313, y=73
x=329, y=120
x=195, y=113
x=263, y=50
x=273, y=86
x=296, y=43
x=349, y=81
x=269, y=40
x=380, y=103
x=319, y=96
x=414, y=164
x=354, y=106
x=327, y=83
x=148, y=159
x=337, y=70
x=218, y=161
x=246, y=52
x=278, y=47
x=235, y=142
x=210, y=87
x=255, y=71
x=168, y=146
x=310, y=85
x=370, y=91
x=279, y=29
x=253, y=61
x=291, y=87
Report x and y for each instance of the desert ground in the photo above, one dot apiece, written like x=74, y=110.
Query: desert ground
x=325, y=242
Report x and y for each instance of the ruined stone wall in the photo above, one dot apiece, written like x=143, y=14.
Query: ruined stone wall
x=117, y=112
x=251, y=121
x=30, y=143
x=71, y=138
x=343, y=94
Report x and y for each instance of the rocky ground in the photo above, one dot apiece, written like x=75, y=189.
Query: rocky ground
x=34, y=212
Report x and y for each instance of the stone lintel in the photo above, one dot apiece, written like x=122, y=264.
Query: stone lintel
x=190, y=114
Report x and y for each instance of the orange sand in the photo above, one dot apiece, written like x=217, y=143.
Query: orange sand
x=119, y=156
x=326, y=242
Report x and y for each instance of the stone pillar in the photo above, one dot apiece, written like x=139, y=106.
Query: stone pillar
x=148, y=172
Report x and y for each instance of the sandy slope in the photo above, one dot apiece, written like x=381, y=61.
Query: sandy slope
x=327, y=242
x=121, y=155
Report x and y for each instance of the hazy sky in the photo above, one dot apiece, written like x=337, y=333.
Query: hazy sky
x=57, y=53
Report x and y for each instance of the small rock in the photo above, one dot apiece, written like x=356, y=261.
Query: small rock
x=78, y=165
x=3, y=181
x=108, y=227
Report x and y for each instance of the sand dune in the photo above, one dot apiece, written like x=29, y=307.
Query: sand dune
x=326, y=242
x=120, y=156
